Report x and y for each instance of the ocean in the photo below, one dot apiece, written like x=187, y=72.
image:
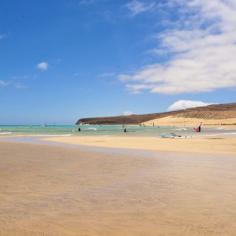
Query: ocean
x=69, y=130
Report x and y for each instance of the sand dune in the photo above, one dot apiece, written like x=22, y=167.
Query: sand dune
x=191, y=122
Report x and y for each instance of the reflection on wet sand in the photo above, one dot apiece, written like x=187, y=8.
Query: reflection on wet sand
x=49, y=190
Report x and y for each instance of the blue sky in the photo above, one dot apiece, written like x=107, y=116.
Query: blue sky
x=62, y=60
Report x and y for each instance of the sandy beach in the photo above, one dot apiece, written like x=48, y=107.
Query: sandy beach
x=198, y=144
x=118, y=118
x=52, y=190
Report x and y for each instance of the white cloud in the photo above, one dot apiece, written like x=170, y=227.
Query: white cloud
x=184, y=104
x=136, y=7
x=127, y=113
x=201, y=48
x=43, y=66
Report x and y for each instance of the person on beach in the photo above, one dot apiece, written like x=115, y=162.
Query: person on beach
x=198, y=129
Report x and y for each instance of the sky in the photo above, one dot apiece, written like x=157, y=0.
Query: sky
x=61, y=60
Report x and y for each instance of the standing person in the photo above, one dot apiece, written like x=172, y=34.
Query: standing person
x=199, y=128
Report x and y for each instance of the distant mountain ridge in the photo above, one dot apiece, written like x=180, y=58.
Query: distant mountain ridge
x=216, y=111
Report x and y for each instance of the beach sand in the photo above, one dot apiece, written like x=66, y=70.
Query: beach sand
x=200, y=144
x=51, y=190
x=229, y=123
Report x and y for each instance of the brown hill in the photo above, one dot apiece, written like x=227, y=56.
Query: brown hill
x=213, y=112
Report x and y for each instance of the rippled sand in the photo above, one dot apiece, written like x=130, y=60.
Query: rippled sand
x=63, y=191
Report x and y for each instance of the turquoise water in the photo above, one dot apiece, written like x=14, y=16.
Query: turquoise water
x=105, y=130
x=37, y=129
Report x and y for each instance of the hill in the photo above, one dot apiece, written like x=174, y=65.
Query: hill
x=218, y=113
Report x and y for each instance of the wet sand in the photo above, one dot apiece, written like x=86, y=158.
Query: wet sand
x=48, y=190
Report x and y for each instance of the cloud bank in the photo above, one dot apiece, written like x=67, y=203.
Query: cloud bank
x=185, y=104
x=201, y=47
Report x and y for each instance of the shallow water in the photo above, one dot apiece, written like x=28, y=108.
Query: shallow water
x=132, y=130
